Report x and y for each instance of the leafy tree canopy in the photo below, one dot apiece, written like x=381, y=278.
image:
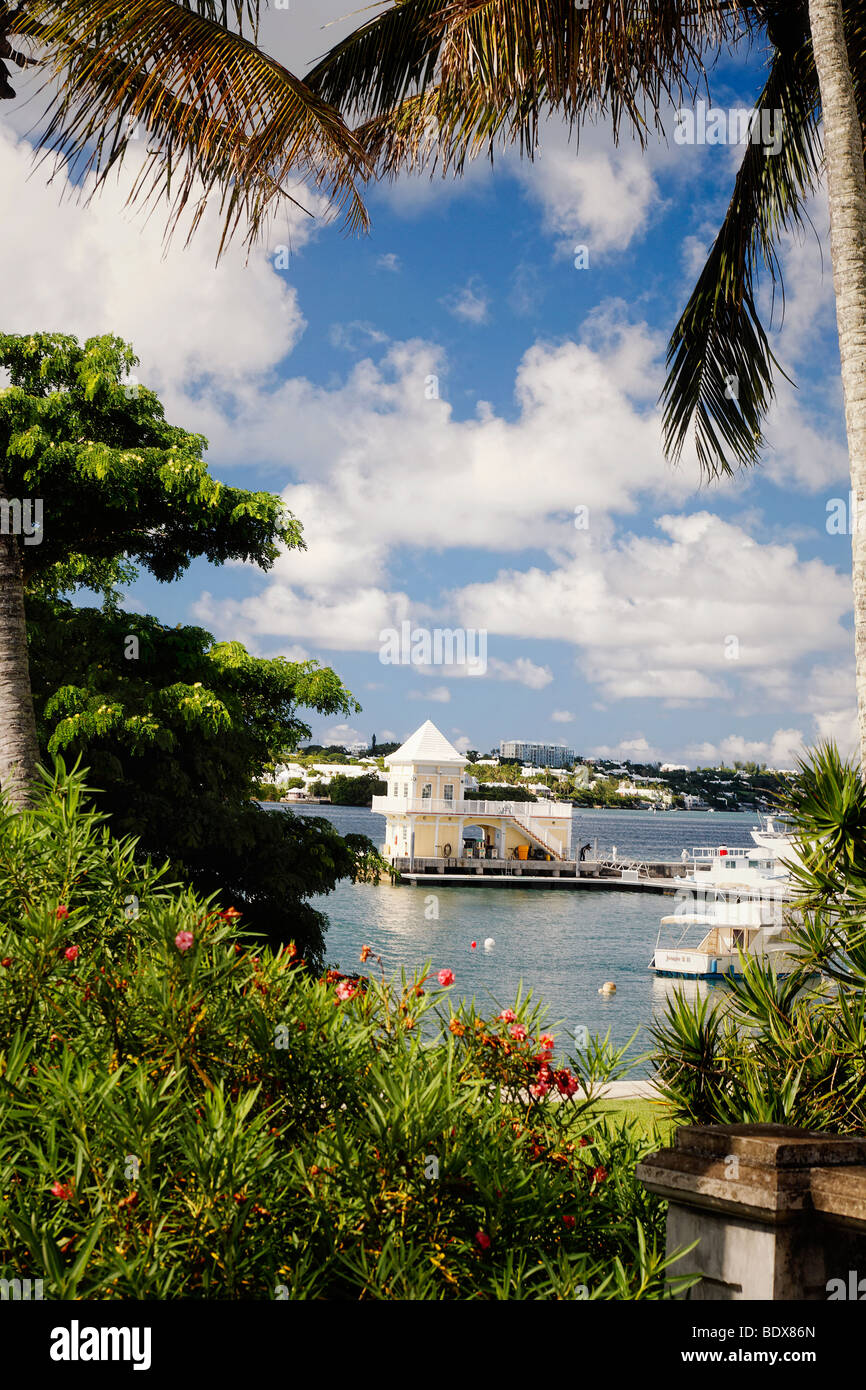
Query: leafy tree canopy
x=175, y=737
x=114, y=478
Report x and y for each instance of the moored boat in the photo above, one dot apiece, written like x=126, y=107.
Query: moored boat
x=713, y=944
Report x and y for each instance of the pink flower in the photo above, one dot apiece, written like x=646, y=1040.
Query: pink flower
x=599, y=1174
x=482, y=1239
x=62, y=912
x=567, y=1085
x=508, y=1015
x=568, y=1221
x=345, y=990
x=541, y=1089
x=63, y=1190
x=518, y=1031
x=445, y=978
x=71, y=953
x=183, y=940
x=545, y=1040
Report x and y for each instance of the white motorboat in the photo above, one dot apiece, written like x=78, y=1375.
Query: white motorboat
x=713, y=944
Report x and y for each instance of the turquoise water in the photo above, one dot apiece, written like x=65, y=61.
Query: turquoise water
x=561, y=944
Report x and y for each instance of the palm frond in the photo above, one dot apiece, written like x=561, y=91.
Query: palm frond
x=382, y=61
x=225, y=120
x=436, y=85
x=720, y=364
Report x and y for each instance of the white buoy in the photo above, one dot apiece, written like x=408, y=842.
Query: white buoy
x=608, y=987
x=489, y=943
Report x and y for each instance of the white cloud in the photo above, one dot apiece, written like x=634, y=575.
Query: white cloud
x=390, y=261
x=562, y=716
x=470, y=303
x=102, y=269
x=781, y=750
x=600, y=196
x=356, y=336
x=440, y=693
x=654, y=617
x=524, y=671
x=341, y=734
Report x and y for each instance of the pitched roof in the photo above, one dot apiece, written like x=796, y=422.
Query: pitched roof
x=426, y=745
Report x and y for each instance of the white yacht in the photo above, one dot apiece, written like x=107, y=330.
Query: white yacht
x=732, y=901
x=756, y=870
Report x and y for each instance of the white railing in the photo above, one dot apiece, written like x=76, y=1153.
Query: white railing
x=432, y=806
x=554, y=845
x=708, y=854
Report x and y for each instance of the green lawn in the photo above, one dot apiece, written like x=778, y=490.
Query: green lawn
x=649, y=1115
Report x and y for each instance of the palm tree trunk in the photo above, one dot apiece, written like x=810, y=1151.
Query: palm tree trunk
x=19, y=751
x=846, y=184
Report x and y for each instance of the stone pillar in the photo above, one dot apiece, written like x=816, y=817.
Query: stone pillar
x=778, y=1212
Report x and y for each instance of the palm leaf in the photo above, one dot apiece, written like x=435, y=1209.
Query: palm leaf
x=720, y=365
x=436, y=84
x=228, y=120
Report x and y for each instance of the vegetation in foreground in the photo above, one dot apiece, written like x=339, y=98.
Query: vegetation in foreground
x=184, y=1113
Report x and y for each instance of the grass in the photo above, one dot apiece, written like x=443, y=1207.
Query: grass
x=650, y=1115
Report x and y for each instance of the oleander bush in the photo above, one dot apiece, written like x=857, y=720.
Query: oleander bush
x=789, y=1050
x=187, y=1113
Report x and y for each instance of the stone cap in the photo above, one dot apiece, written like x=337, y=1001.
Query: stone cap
x=771, y=1146
x=840, y=1194
x=755, y=1172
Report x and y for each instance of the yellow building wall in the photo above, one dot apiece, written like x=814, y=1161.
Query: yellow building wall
x=449, y=833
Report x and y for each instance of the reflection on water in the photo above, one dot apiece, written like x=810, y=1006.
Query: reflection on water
x=560, y=944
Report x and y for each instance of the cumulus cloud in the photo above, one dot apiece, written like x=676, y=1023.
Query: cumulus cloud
x=602, y=197
x=678, y=617
x=562, y=716
x=102, y=269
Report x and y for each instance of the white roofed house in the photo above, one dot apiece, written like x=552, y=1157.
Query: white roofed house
x=428, y=815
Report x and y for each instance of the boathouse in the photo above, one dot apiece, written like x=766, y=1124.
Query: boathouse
x=430, y=818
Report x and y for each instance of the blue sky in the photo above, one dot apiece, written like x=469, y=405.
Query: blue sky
x=683, y=622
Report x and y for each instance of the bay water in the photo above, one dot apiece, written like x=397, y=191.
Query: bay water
x=559, y=943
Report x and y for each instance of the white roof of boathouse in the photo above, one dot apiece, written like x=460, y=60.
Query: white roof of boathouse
x=427, y=745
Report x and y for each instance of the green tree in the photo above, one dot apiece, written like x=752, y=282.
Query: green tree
x=174, y=728
x=109, y=477
x=435, y=85
x=355, y=791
